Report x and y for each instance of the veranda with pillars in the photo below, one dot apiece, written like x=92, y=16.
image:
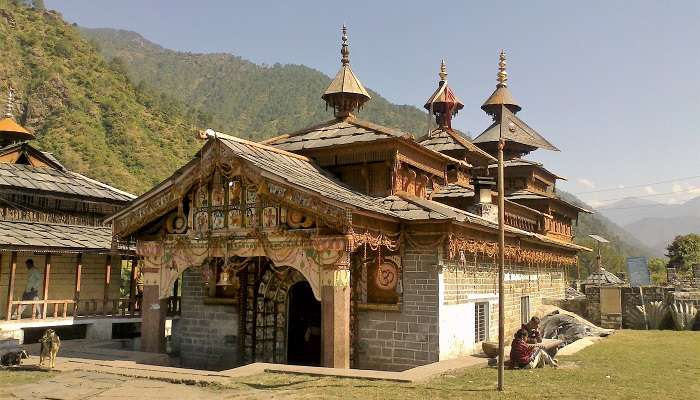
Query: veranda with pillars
x=73, y=285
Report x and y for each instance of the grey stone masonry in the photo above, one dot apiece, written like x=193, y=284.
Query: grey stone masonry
x=399, y=340
x=208, y=333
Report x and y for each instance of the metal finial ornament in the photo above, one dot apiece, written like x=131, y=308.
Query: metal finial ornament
x=502, y=74
x=10, y=102
x=345, y=50
x=443, y=71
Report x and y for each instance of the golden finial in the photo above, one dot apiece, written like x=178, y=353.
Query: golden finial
x=443, y=71
x=345, y=50
x=10, y=102
x=502, y=74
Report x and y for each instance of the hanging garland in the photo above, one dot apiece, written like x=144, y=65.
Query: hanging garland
x=458, y=246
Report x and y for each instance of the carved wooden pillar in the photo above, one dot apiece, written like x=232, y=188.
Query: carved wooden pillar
x=335, y=316
x=132, y=286
x=78, y=273
x=47, y=274
x=108, y=278
x=11, y=284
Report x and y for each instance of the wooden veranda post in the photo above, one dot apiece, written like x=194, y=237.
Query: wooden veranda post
x=108, y=278
x=132, y=286
x=11, y=284
x=78, y=272
x=501, y=256
x=47, y=274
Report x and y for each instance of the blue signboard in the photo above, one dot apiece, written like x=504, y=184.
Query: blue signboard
x=638, y=271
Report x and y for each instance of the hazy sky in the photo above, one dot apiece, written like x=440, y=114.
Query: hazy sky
x=613, y=84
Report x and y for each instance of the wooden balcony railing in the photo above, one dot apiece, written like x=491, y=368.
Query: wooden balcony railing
x=114, y=308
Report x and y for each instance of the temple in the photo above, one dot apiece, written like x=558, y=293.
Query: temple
x=58, y=267
x=349, y=244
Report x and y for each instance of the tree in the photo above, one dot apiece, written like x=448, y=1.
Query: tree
x=657, y=270
x=684, y=252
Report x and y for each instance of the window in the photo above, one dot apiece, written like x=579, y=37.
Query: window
x=525, y=309
x=481, y=322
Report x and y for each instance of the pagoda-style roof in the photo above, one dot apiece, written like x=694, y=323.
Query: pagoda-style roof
x=333, y=133
x=19, y=152
x=500, y=96
x=601, y=277
x=44, y=237
x=10, y=130
x=346, y=81
x=525, y=194
x=27, y=177
x=443, y=139
x=515, y=131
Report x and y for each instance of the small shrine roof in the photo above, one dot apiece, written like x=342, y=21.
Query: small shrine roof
x=21, y=176
x=34, y=236
x=601, y=277
x=334, y=133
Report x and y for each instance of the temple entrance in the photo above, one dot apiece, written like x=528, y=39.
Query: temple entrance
x=303, y=326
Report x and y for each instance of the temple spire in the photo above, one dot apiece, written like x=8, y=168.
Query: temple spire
x=501, y=96
x=10, y=130
x=502, y=75
x=10, y=102
x=345, y=94
x=444, y=104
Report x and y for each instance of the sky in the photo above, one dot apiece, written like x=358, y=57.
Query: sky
x=613, y=84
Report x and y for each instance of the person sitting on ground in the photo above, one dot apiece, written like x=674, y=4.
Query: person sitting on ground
x=524, y=356
x=533, y=333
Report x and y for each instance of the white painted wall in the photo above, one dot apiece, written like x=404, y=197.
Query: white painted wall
x=456, y=323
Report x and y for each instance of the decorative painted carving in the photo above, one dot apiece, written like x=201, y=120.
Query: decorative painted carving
x=202, y=221
x=269, y=217
x=218, y=221
x=387, y=275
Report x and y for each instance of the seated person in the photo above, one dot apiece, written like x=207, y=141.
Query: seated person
x=533, y=334
x=524, y=356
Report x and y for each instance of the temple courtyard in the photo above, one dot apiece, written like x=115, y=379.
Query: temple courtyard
x=628, y=365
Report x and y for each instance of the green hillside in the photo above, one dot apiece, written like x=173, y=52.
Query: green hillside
x=83, y=108
x=242, y=98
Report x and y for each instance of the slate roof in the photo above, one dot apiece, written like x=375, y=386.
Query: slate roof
x=34, y=236
x=453, y=190
x=520, y=162
x=334, y=133
x=524, y=194
x=300, y=171
x=441, y=139
x=601, y=277
x=518, y=132
x=20, y=176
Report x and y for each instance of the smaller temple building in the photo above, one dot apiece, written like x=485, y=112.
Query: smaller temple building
x=350, y=244
x=58, y=266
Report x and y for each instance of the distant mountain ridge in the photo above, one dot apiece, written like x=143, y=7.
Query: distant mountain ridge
x=655, y=224
x=238, y=96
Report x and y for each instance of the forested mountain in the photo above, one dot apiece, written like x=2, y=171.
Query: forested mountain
x=84, y=109
x=240, y=97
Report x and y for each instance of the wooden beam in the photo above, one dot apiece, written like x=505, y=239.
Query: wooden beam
x=108, y=278
x=11, y=284
x=47, y=273
x=78, y=272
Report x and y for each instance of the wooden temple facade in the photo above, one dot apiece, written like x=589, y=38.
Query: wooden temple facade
x=53, y=218
x=349, y=244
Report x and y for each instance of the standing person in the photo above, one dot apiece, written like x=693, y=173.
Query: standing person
x=532, y=328
x=524, y=356
x=31, y=291
x=138, y=276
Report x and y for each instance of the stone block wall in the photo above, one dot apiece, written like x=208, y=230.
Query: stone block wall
x=631, y=298
x=399, y=340
x=206, y=334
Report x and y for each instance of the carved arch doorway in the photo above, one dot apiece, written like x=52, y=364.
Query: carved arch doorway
x=264, y=317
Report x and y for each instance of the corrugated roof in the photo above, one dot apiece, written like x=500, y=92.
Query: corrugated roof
x=34, y=236
x=20, y=176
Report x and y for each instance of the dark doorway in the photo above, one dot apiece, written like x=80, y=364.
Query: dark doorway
x=303, y=326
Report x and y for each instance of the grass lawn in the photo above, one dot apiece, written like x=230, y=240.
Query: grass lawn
x=20, y=377
x=629, y=365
